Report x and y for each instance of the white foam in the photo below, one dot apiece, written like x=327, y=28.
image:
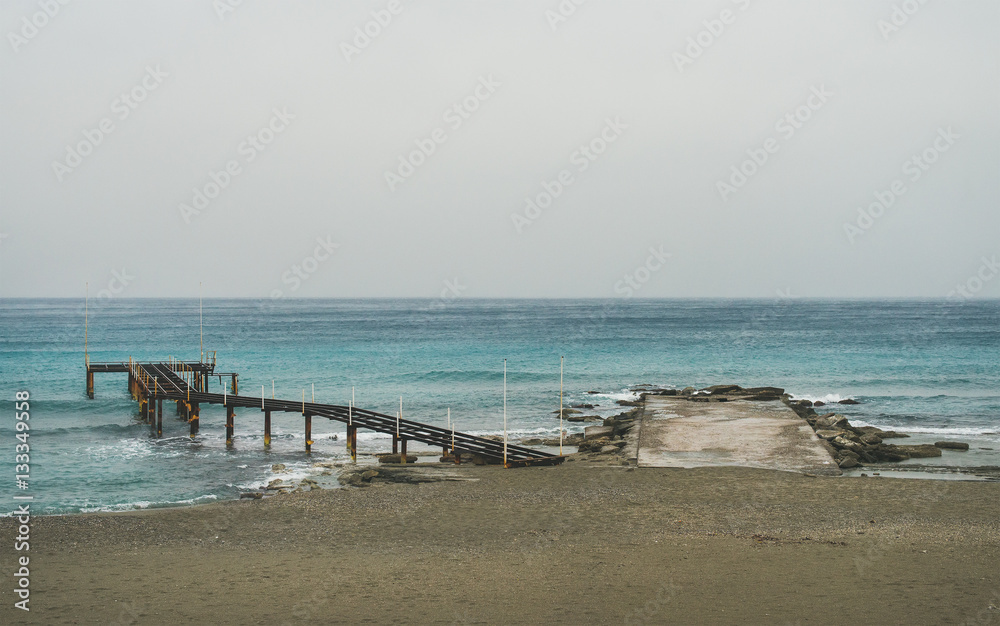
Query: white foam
x=830, y=398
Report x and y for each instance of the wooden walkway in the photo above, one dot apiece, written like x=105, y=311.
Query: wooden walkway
x=186, y=383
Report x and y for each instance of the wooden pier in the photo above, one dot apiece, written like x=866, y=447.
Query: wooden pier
x=186, y=384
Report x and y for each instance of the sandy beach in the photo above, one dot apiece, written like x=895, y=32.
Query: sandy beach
x=585, y=542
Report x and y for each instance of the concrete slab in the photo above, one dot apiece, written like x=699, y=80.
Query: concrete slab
x=676, y=432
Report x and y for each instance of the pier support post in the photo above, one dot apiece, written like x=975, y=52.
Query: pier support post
x=230, y=419
x=395, y=444
x=309, y=429
x=159, y=417
x=236, y=385
x=352, y=442
x=193, y=414
x=143, y=408
x=402, y=450
x=90, y=384
x=267, y=428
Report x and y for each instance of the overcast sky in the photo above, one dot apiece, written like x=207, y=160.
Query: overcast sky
x=318, y=123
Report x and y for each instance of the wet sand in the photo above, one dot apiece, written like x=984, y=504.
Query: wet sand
x=581, y=543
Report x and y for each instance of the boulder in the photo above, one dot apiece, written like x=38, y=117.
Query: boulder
x=396, y=458
x=924, y=451
x=721, y=389
x=531, y=441
x=566, y=412
x=847, y=462
x=846, y=444
x=819, y=403
x=951, y=445
x=885, y=452
x=583, y=406
x=369, y=474
x=608, y=449
x=687, y=391
x=832, y=421
x=870, y=439
x=849, y=401
x=829, y=434
x=597, y=432
x=594, y=445
x=278, y=467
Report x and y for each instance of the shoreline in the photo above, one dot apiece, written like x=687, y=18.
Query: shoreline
x=649, y=545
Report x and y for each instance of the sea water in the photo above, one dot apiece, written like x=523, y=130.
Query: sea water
x=929, y=368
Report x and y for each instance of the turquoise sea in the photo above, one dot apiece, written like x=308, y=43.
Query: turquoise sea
x=930, y=368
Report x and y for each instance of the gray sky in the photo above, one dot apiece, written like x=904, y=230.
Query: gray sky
x=670, y=118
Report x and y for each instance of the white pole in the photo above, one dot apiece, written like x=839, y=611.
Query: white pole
x=86, y=323
x=224, y=390
x=397, y=424
x=201, y=326
x=560, y=404
x=505, y=412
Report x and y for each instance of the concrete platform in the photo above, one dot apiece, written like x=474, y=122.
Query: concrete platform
x=676, y=432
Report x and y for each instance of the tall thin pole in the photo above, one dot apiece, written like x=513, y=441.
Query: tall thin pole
x=86, y=323
x=350, y=410
x=399, y=416
x=262, y=397
x=505, y=412
x=560, y=404
x=201, y=326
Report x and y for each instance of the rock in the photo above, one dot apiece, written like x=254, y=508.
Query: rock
x=846, y=444
x=885, y=452
x=531, y=441
x=805, y=403
x=721, y=389
x=829, y=434
x=597, y=432
x=256, y=495
x=849, y=401
x=593, y=392
x=870, y=439
x=278, y=467
x=369, y=474
x=951, y=445
x=628, y=403
x=847, y=462
x=566, y=412
x=584, y=418
x=583, y=406
x=350, y=478
x=832, y=421
x=924, y=451
x=396, y=458
x=608, y=449
x=594, y=445
x=687, y=391
x=574, y=418
x=819, y=403
x=274, y=484
x=497, y=438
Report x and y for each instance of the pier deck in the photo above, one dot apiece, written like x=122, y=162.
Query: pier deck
x=186, y=383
